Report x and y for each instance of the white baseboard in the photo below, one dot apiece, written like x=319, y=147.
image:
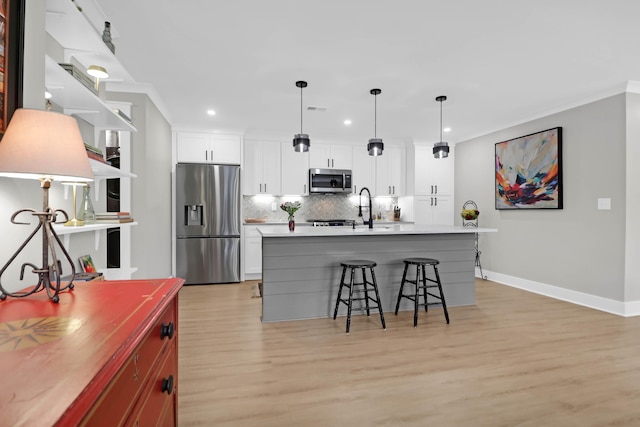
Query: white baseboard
x=625, y=309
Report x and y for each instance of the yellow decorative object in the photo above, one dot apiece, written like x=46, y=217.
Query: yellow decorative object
x=469, y=214
x=26, y=333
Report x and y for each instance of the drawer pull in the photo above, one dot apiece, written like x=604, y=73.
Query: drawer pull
x=167, y=385
x=167, y=330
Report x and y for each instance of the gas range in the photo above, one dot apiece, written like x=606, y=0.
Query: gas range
x=331, y=222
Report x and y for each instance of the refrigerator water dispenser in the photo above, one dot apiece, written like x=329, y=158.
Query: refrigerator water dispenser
x=193, y=215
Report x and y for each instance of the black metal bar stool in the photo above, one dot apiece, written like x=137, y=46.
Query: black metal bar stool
x=360, y=289
x=421, y=283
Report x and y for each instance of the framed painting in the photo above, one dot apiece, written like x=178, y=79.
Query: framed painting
x=529, y=171
x=11, y=58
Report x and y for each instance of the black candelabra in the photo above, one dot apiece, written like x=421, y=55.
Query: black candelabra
x=48, y=273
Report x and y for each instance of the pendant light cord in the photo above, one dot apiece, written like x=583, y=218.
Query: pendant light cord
x=375, y=115
x=440, y=121
x=300, y=109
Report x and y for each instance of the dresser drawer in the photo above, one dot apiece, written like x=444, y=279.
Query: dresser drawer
x=122, y=393
x=158, y=405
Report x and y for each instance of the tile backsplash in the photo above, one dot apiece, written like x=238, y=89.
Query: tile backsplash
x=315, y=206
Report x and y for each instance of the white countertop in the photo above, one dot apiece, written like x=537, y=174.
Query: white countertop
x=310, y=224
x=378, y=229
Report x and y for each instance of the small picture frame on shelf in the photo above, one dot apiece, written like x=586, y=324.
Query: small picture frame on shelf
x=87, y=265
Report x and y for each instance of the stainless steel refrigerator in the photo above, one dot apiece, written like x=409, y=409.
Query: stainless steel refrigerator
x=207, y=223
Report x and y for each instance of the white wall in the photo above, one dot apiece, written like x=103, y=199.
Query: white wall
x=632, y=234
x=579, y=249
x=151, y=190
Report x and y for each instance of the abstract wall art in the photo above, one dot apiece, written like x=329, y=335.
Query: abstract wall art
x=529, y=171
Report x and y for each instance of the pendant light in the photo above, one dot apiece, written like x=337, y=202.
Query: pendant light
x=441, y=149
x=375, y=145
x=301, y=141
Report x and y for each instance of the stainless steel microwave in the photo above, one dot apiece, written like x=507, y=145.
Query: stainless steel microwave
x=330, y=181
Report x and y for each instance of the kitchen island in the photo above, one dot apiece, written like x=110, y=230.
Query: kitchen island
x=301, y=269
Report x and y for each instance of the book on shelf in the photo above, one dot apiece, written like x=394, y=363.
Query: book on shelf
x=113, y=214
x=123, y=115
x=83, y=277
x=113, y=220
x=93, y=149
x=84, y=79
x=97, y=157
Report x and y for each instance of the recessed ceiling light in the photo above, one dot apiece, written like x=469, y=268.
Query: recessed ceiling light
x=446, y=130
x=347, y=122
x=211, y=112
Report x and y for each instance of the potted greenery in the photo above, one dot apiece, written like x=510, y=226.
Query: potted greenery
x=291, y=208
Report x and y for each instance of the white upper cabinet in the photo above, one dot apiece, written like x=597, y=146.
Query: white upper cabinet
x=433, y=203
x=433, y=177
x=208, y=148
x=433, y=210
x=330, y=156
x=294, y=170
x=364, y=170
x=262, y=166
x=391, y=172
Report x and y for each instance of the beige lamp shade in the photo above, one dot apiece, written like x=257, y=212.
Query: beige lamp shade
x=42, y=144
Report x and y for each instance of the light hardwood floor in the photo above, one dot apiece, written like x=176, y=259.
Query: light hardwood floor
x=513, y=359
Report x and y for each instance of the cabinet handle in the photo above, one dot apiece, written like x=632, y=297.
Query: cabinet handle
x=167, y=385
x=206, y=155
x=432, y=201
x=436, y=189
x=331, y=162
x=167, y=330
x=328, y=164
x=389, y=192
x=394, y=189
x=305, y=189
x=260, y=188
x=432, y=189
x=265, y=187
x=436, y=201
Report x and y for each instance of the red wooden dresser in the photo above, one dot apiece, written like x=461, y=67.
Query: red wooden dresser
x=106, y=355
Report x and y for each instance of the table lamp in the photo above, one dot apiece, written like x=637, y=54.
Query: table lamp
x=46, y=146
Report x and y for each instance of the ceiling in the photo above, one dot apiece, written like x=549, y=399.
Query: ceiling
x=499, y=62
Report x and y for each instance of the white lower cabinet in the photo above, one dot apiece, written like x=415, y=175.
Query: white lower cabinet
x=252, y=249
x=434, y=210
x=253, y=255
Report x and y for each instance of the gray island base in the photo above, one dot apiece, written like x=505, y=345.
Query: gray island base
x=301, y=270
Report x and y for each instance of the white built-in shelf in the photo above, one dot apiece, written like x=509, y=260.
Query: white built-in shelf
x=62, y=230
x=77, y=100
x=101, y=171
x=81, y=40
x=117, y=273
x=105, y=171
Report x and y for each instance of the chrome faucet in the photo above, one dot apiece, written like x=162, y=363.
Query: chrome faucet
x=370, y=222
